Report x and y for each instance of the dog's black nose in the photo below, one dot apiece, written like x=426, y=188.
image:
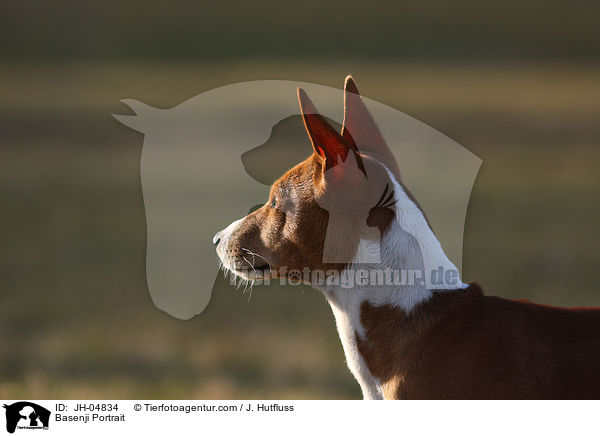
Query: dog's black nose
x=217, y=239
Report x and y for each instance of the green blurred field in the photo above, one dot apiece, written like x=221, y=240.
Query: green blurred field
x=76, y=320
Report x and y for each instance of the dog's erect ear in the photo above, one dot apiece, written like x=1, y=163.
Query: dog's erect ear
x=327, y=142
x=360, y=130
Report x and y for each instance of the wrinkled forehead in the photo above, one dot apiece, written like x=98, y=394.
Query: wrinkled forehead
x=298, y=181
x=284, y=191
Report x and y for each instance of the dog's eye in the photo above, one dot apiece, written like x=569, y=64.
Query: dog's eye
x=273, y=203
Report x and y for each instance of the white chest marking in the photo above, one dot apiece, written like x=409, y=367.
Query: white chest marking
x=346, y=321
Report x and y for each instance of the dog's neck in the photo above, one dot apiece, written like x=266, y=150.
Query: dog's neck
x=402, y=269
x=395, y=271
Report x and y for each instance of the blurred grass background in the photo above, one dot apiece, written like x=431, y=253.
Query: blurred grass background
x=517, y=83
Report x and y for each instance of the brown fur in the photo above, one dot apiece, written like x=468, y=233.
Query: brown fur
x=291, y=233
x=465, y=345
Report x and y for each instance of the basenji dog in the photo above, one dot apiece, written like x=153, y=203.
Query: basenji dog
x=344, y=210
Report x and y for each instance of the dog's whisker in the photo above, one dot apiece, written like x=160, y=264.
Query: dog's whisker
x=251, y=264
x=258, y=255
x=249, y=295
x=251, y=254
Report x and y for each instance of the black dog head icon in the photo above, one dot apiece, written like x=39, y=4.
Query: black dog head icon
x=31, y=414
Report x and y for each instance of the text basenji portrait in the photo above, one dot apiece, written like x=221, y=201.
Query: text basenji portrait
x=345, y=209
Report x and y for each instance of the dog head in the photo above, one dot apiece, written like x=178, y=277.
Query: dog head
x=320, y=211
